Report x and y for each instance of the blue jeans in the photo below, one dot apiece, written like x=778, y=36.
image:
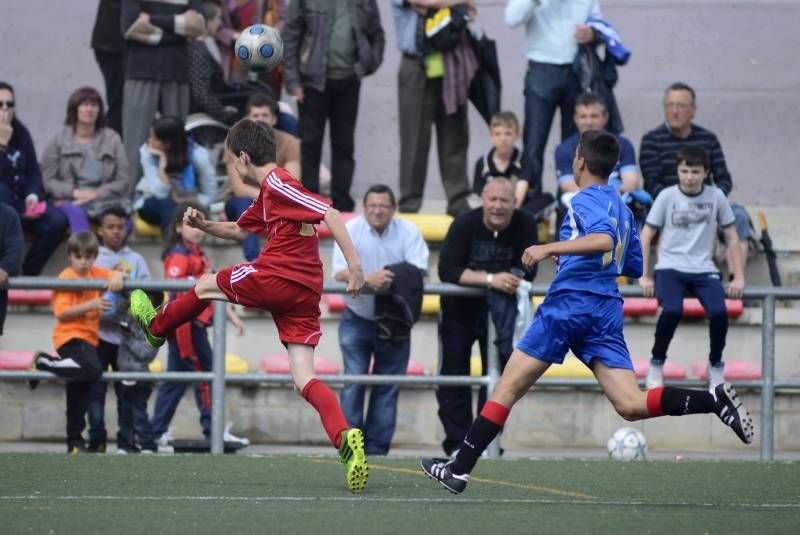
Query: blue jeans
x=170, y=394
x=547, y=87
x=48, y=230
x=107, y=355
x=158, y=212
x=358, y=340
x=671, y=285
x=134, y=423
x=234, y=208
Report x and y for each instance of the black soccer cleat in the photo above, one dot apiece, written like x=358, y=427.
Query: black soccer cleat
x=733, y=414
x=439, y=470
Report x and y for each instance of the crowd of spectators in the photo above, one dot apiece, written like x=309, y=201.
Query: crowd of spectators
x=129, y=155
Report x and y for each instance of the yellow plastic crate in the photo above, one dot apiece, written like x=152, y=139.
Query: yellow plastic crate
x=143, y=228
x=432, y=226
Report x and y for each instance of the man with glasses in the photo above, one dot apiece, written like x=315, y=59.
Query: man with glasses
x=659, y=149
x=390, y=249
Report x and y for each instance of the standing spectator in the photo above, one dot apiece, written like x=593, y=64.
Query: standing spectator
x=503, y=159
x=687, y=215
x=113, y=254
x=659, y=149
x=11, y=247
x=156, y=65
x=382, y=243
x=329, y=46
x=420, y=105
x=108, y=46
x=84, y=167
x=176, y=170
x=244, y=13
x=21, y=187
x=263, y=109
x=76, y=333
x=483, y=248
x=591, y=114
x=553, y=31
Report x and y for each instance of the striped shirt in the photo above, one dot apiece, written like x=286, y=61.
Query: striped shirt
x=658, y=158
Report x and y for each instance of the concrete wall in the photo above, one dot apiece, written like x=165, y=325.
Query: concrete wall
x=738, y=54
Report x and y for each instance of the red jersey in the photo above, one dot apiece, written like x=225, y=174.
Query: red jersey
x=285, y=213
x=188, y=261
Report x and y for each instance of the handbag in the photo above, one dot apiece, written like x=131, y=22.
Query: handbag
x=486, y=87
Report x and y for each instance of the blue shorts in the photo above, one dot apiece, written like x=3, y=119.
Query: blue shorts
x=588, y=324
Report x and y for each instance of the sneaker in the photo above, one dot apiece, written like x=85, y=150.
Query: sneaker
x=351, y=455
x=716, y=376
x=439, y=470
x=143, y=312
x=655, y=376
x=165, y=439
x=96, y=447
x=733, y=414
x=34, y=383
x=76, y=447
x=230, y=437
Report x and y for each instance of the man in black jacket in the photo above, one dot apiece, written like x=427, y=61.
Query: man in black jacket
x=329, y=46
x=483, y=248
x=11, y=247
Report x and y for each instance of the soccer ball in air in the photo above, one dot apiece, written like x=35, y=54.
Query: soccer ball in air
x=627, y=444
x=259, y=48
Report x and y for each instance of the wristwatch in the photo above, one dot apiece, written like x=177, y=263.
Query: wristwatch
x=489, y=279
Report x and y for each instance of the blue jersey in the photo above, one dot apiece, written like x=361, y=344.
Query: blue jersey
x=599, y=210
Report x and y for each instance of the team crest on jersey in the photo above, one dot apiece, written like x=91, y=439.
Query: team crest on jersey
x=307, y=229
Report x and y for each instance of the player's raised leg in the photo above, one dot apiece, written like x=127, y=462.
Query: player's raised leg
x=158, y=324
x=631, y=403
x=520, y=373
x=349, y=442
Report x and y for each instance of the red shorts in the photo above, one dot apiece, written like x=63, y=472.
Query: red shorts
x=294, y=307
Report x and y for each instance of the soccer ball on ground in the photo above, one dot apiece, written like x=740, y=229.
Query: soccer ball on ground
x=259, y=48
x=627, y=444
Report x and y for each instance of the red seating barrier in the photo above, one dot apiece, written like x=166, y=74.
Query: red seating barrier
x=335, y=303
x=693, y=309
x=640, y=306
x=325, y=233
x=671, y=370
x=16, y=360
x=30, y=297
x=414, y=367
x=279, y=364
x=734, y=369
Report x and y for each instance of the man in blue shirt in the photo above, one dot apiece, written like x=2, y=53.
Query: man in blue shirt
x=583, y=312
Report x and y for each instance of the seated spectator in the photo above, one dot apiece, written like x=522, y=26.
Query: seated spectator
x=176, y=170
x=483, y=248
x=21, y=187
x=687, y=216
x=11, y=247
x=84, y=166
x=659, y=149
x=591, y=114
x=263, y=109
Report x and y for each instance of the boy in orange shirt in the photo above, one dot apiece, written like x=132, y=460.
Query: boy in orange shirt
x=77, y=332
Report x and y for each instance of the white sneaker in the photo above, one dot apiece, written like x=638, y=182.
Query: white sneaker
x=230, y=437
x=165, y=439
x=655, y=376
x=716, y=376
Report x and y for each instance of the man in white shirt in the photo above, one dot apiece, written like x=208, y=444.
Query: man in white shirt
x=380, y=240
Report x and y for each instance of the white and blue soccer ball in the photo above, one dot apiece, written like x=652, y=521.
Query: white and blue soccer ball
x=259, y=47
x=627, y=444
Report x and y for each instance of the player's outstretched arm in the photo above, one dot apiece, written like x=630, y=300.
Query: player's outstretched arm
x=590, y=244
x=228, y=230
x=356, y=276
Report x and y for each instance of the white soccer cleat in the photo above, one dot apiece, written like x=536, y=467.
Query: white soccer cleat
x=655, y=376
x=230, y=437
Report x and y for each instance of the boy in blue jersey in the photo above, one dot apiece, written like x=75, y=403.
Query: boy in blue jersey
x=583, y=312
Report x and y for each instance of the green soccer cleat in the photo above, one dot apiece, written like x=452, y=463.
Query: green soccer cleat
x=351, y=455
x=143, y=312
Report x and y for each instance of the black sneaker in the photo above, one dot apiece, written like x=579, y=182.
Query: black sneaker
x=76, y=447
x=97, y=447
x=733, y=414
x=439, y=470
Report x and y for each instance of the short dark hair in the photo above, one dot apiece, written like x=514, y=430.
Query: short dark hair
x=115, y=210
x=170, y=129
x=83, y=243
x=173, y=237
x=260, y=100
x=6, y=86
x=600, y=151
x=693, y=156
x=504, y=118
x=255, y=139
x=680, y=86
x=78, y=97
x=380, y=189
x=210, y=9
x=591, y=99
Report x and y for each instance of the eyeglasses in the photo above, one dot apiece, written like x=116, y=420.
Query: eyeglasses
x=678, y=105
x=379, y=207
x=7, y=104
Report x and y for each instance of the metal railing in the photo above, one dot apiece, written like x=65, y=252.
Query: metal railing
x=218, y=378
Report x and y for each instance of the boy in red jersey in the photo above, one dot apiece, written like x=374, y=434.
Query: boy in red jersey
x=285, y=279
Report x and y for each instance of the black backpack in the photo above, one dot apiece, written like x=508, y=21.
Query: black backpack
x=444, y=28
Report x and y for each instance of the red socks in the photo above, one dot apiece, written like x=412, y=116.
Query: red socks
x=495, y=413
x=177, y=312
x=654, y=407
x=330, y=412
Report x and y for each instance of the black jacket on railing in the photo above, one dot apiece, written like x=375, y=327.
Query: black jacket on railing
x=11, y=248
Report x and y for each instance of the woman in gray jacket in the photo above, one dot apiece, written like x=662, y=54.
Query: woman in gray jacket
x=84, y=168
